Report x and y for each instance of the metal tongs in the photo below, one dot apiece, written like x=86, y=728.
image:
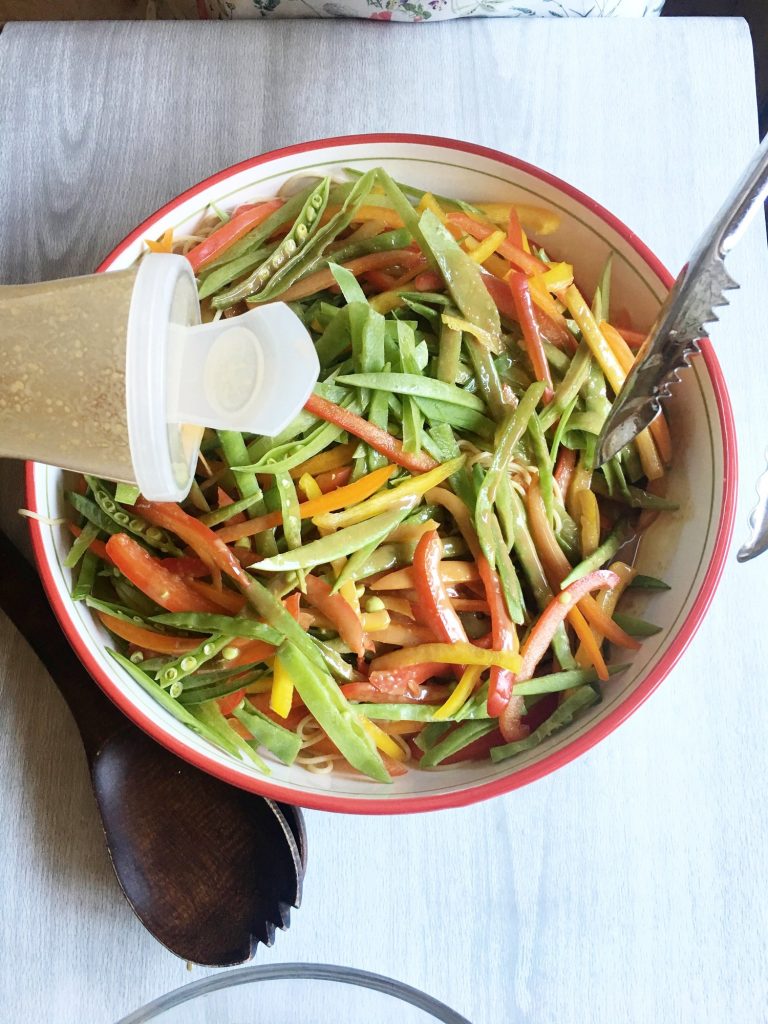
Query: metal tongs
x=675, y=334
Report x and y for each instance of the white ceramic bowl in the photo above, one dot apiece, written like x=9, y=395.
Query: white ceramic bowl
x=687, y=548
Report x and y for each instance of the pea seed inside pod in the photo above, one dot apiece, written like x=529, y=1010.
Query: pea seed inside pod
x=278, y=259
x=290, y=247
x=310, y=214
x=301, y=232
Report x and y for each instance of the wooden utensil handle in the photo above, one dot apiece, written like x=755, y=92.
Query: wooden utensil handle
x=23, y=600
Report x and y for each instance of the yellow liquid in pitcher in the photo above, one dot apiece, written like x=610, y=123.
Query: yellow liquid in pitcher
x=62, y=373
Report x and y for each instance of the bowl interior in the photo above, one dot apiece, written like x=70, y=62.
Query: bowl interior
x=685, y=547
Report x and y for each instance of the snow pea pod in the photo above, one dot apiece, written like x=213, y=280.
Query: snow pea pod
x=449, y=355
x=582, y=698
x=343, y=542
x=308, y=257
x=281, y=742
x=456, y=416
x=223, y=275
x=336, y=716
x=462, y=276
x=569, y=387
x=414, y=385
x=81, y=545
x=198, y=725
x=235, y=452
x=600, y=555
x=209, y=716
x=511, y=431
x=221, y=515
x=285, y=457
x=408, y=215
x=288, y=253
x=456, y=740
x=130, y=523
x=86, y=577
x=226, y=625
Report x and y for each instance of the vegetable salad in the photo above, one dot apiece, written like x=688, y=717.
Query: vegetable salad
x=424, y=566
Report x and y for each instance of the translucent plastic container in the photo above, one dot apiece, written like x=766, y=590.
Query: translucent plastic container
x=295, y=994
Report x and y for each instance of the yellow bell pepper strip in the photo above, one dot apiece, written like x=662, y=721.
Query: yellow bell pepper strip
x=486, y=339
x=428, y=202
x=540, y=637
x=344, y=542
x=405, y=579
x=281, y=697
x=558, y=277
x=435, y=607
x=594, y=337
x=245, y=220
x=334, y=458
x=450, y=654
x=464, y=688
x=589, y=515
x=374, y=436
x=646, y=446
x=385, y=302
x=351, y=494
x=383, y=741
x=399, y=605
x=495, y=264
x=480, y=253
x=536, y=219
x=164, y=245
x=518, y=257
x=375, y=622
x=534, y=343
x=379, y=215
x=413, y=486
x=413, y=531
x=338, y=611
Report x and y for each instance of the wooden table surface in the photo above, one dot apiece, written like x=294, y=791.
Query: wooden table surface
x=630, y=886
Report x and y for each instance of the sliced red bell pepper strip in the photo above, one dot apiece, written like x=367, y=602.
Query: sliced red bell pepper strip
x=566, y=464
x=197, y=535
x=428, y=281
x=552, y=332
x=337, y=610
x=251, y=652
x=228, y=704
x=434, y=605
x=246, y=218
x=187, y=565
x=534, y=343
x=147, y=573
x=407, y=680
x=504, y=639
x=514, y=228
x=222, y=600
x=540, y=637
x=378, y=439
x=333, y=479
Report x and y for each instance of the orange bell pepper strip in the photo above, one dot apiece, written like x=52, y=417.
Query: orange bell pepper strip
x=405, y=579
x=341, y=497
x=556, y=568
x=380, y=440
x=245, y=220
x=147, y=573
x=534, y=343
x=553, y=332
x=341, y=615
x=148, y=639
x=250, y=653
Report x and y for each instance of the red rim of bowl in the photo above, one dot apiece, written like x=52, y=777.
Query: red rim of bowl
x=603, y=727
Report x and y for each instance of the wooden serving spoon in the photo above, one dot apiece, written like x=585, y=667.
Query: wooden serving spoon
x=209, y=870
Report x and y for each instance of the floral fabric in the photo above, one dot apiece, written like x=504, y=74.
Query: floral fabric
x=432, y=10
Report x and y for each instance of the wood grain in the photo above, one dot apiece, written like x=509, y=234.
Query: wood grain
x=628, y=887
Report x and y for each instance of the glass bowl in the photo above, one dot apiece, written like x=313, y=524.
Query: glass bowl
x=295, y=994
